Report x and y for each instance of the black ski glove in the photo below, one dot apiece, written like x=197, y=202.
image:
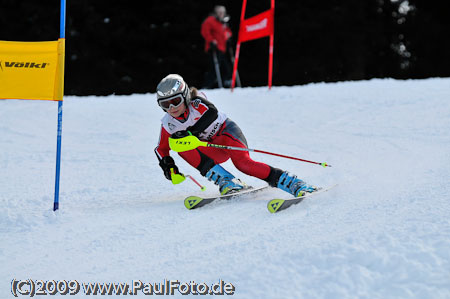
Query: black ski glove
x=213, y=46
x=166, y=164
x=193, y=131
x=180, y=134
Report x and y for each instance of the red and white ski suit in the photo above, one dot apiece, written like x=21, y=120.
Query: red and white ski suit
x=204, y=120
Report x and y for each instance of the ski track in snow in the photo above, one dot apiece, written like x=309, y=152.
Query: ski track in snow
x=382, y=233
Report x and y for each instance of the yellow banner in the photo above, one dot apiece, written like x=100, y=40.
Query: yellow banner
x=32, y=70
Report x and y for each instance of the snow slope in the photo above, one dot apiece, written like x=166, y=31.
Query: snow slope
x=384, y=232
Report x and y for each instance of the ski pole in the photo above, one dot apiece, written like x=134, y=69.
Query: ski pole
x=195, y=181
x=264, y=152
x=191, y=142
x=238, y=79
x=216, y=66
x=177, y=178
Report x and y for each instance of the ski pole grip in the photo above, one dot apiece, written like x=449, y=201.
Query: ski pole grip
x=176, y=178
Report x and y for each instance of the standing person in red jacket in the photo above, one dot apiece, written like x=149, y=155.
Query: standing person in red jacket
x=217, y=34
x=189, y=112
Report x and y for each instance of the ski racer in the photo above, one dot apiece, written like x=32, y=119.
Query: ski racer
x=189, y=112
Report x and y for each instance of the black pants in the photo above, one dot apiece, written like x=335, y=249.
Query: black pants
x=210, y=80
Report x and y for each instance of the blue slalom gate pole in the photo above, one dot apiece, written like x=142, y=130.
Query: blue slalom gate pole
x=62, y=34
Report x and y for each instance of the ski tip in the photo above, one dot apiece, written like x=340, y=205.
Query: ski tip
x=191, y=202
x=274, y=205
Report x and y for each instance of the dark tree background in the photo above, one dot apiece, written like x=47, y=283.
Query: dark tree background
x=123, y=46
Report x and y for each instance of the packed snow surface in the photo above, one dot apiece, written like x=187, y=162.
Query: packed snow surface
x=383, y=232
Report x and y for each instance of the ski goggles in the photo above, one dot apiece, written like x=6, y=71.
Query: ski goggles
x=174, y=101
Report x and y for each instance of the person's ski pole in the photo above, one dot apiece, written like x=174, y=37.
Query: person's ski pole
x=191, y=142
x=217, y=67
x=177, y=178
x=238, y=79
x=195, y=181
x=264, y=152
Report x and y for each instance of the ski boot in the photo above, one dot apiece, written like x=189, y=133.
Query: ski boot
x=293, y=185
x=228, y=184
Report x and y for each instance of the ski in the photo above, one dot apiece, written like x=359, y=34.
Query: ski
x=194, y=202
x=276, y=205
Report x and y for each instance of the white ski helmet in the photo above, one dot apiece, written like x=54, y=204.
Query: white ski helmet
x=171, y=86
